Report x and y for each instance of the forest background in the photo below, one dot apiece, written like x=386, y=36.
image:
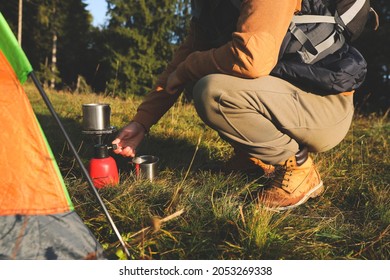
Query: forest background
x=125, y=55
x=117, y=63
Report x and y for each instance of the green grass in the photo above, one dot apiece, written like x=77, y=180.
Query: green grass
x=219, y=221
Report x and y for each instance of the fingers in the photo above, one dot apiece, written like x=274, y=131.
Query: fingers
x=125, y=151
x=128, y=139
x=128, y=152
x=118, y=146
x=116, y=141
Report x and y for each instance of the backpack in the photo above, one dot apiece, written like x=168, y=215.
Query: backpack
x=323, y=26
x=315, y=54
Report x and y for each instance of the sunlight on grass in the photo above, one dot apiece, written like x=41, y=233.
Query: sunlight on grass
x=220, y=218
x=259, y=224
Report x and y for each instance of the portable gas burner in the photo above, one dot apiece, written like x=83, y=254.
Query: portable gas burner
x=96, y=123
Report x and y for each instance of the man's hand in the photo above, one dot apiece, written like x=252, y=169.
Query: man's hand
x=129, y=138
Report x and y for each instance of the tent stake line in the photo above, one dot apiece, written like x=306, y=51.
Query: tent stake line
x=76, y=155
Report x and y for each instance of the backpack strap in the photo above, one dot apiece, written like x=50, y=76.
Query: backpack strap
x=330, y=45
x=376, y=16
x=314, y=46
x=303, y=39
x=311, y=52
x=349, y=15
x=305, y=19
x=344, y=19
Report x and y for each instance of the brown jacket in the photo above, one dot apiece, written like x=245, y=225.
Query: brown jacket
x=252, y=52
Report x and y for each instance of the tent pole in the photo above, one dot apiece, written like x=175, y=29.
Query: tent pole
x=76, y=155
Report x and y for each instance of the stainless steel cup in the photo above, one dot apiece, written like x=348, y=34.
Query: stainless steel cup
x=146, y=167
x=96, y=116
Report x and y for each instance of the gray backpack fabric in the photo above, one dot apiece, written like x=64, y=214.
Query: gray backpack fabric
x=342, y=71
x=323, y=26
x=315, y=54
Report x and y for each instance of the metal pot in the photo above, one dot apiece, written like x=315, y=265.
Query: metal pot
x=146, y=166
x=96, y=116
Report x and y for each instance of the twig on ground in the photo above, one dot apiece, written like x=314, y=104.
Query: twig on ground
x=157, y=223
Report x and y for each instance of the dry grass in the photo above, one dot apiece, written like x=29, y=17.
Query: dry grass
x=218, y=218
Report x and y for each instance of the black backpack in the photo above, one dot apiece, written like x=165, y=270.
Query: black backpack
x=323, y=29
x=316, y=54
x=323, y=26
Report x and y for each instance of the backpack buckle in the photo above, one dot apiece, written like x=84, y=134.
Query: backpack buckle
x=339, y=28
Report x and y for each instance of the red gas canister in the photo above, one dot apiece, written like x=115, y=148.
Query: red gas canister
x=102, y=168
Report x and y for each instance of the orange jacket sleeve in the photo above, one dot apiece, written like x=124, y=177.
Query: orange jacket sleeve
x=158, y=102
x=254, y=48
x=252, y=52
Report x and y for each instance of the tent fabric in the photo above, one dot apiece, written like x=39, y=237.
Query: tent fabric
x=37, y=218
x=14, y=53
x=47, y=237
x=30, y=183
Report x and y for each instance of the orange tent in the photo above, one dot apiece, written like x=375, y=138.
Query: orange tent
x=37, y=218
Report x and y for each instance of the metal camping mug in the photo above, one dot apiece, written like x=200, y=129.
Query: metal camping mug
x=96, y=116
x=146, y=166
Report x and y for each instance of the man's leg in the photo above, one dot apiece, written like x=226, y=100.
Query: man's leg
x=270, y=119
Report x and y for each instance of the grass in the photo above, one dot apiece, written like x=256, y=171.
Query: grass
x=194, y=211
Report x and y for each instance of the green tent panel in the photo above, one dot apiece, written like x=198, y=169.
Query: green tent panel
x=37, y=218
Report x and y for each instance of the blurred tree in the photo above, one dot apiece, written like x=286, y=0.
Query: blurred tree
x=32, y=41
x=51, y=17
x=10, y=10
x=141, y=38
x=74, y=42
x=55, y=37
x=374, y=95
x=127, y=55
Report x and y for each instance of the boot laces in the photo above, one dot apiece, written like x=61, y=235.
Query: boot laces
x=282, y=176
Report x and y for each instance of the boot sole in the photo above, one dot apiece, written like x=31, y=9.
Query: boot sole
x=314, y=192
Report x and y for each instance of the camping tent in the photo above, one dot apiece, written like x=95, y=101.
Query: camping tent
x=37, y=218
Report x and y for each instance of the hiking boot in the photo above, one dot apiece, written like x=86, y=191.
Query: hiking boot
x=267, y=168
x=244, y=163
x=294, y=182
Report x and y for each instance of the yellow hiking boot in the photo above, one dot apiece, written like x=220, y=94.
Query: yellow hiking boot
x=244, y=163
x=267, y=168
x=294, y=182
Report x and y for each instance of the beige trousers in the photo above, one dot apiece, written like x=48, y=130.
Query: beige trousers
x=269, y=118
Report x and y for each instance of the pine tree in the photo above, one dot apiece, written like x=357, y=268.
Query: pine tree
x=142, y=37
x=55, y=37
x=74, y=42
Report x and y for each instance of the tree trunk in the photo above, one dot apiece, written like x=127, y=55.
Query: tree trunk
x=20, y=17
x=53, y=61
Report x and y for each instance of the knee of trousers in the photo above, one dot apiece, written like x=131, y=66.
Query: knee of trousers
x=206, y=94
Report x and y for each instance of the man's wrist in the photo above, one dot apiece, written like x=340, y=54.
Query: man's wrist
x=146, y=131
